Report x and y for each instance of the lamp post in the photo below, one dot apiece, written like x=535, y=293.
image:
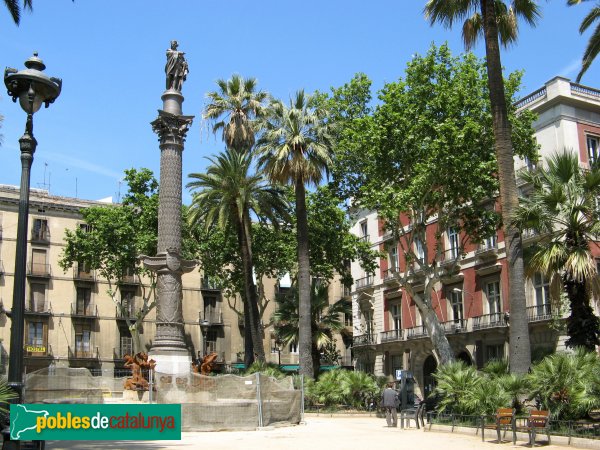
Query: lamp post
x=204, y=324
x=32, y=88
x=278, y=343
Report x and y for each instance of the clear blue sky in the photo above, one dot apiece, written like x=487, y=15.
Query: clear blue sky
x=111, y=55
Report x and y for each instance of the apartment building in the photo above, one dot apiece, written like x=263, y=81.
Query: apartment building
x=71, y=321
x=472, y=304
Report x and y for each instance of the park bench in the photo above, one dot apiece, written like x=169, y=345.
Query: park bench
x=537, y=422
x=504, y=419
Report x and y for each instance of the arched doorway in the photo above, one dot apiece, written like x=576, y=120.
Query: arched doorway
x=429, y=368
x=465, y=357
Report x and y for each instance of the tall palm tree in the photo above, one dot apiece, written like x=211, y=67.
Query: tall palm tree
x=233, y=109
x=497, y=20
x=15, y=9
x=563, y=208
x=326, y=319
x=593, y=46
x=225, y=196
x=295, y=148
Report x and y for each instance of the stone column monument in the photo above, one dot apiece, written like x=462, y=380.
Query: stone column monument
x=169, y=349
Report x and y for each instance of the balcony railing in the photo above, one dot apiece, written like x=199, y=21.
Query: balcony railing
x=416, y=332
x=86, y=351
x=41, y=270
x=454, y=326
x=125, y=313
x=43, y=309
x=489, y=321
x=391, y=335
x=209, y=284
x=364, y=282
x=90, y=311
x=81, y=274
x=540, y=93
x=539, y=313
x=40, y=236
x=487, y=249
x=213, y=317
x=363, y=339
x=450, y=256
x=364, y=237
x=390, y=274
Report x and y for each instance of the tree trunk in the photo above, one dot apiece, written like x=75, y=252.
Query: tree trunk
x=248, y=345
x=519, y=347
x=250, y=294
x=316, y=359
x=582, y=325
x=441, y=347
x=304, y=313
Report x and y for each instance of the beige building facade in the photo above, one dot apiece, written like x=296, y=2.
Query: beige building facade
x=72, y=321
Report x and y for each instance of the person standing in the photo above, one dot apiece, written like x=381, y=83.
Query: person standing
x=389, y=402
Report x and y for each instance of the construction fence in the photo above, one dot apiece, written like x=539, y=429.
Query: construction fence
x=208, y=403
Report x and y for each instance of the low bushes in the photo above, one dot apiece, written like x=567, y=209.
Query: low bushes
x=343, y=387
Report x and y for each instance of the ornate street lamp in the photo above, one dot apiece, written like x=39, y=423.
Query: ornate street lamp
x=33, y=88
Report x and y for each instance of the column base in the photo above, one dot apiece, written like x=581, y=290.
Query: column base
x=171, y=362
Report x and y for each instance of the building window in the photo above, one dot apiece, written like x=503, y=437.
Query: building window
x=494, y=352
x=396, y=316
x=393, y=258
x=453, y=243
x=419, y=250
x=490, y=243
x=83, y=341
x=212, y=309
x=364, y=231
x=40, y=231
x=127, y=302
x=294, y=348
x=396, y=364
x=83, y=305
x=592, y=147
x=211, y=341
x=456, y=301
x=126, y=345
x=368, y=317
x=38, y=262
x=35, y=336
x=492, y=292
x=37, y=299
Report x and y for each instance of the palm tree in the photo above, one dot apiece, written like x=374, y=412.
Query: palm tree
x=233, y=109
x=593, y=46
x=326, y=319
x=563, y=208
x=295, y=148
x=496, y=21
x=225, y=196
x=15, y=9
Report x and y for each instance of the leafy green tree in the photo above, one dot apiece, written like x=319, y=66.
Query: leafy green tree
x=563, y=208
x=567, y=384
x=233, y=110
x=498, y=21
x=343, y=387
x=295, y=149
x=593, y=46
x=455, y=382
x=326, y=319
x=223, y=197
x=114, y=237
x=425, y=157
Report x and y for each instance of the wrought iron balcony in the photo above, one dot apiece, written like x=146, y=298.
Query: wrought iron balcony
x=84, y=351
x=363, y=339
x=449, y=257
x=454, y=326
x=209, y=284
x=364, y=238
x=539, y=313
x=84, y=311
x=40, y=235
x=390, y=274
x=39, y=270
x=38, y=309
x=364, y=282
x=125, y=313
x=489, y=321
x=487, y=250
x=213, y=317
x=416, y=332
x=80, y=273
x=391, y=335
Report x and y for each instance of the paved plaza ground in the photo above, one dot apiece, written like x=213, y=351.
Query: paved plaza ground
x=318, y=433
